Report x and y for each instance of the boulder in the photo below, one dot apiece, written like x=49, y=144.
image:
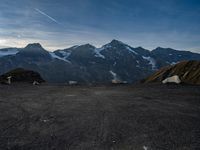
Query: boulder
x=173, y=79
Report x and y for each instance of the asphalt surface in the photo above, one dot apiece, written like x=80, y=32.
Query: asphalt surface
x=137, y=117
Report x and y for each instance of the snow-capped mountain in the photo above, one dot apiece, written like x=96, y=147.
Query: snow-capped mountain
x=115, y=61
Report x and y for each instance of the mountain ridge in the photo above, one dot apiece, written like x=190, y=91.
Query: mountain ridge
x=114, y=41
x=89, y=64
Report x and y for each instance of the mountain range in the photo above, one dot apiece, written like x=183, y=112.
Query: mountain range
x=87, y=64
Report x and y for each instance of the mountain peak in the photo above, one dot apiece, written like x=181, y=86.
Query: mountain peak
x=161, y=49
x=35, y=51
x=140, y=47
x=114, y=42
x=34, y=46
x=89, y=46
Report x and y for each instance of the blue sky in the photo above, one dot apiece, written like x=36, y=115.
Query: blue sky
x=63, y=23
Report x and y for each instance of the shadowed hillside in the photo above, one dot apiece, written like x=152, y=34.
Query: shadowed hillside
x=22, y=75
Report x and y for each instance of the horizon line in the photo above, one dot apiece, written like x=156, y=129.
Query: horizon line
x=70, y=46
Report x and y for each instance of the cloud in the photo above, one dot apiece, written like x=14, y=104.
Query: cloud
x=44, y=14
x=162, y=23
x=2, y=42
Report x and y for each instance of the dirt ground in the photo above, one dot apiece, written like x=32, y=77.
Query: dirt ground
x=137, y=117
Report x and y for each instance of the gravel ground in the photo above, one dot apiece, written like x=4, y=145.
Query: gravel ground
x=137, y=117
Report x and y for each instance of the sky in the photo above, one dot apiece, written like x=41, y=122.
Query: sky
x=58, y=24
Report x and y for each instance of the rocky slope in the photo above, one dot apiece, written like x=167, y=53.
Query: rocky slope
x=188, y=72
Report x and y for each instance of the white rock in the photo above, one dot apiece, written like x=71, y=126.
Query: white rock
x=173, y=79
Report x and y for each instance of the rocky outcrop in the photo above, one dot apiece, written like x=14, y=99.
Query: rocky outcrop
x=187, y=71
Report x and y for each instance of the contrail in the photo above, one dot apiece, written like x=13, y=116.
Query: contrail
x=41, y=12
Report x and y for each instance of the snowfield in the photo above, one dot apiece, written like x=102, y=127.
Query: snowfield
x=129, y=49
x=152, y=62
x=54, y=56
x=98, y=53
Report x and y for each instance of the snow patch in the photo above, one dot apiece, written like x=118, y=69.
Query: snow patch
x=53, y=55
x=97, y=52
x=152, y=61
x=8, y=52
x=115, y=79
x=130, y=49
x=106, y=46
x=65, y=54
x=113, y=74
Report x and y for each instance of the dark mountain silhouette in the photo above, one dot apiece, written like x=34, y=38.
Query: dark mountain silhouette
x=35, y=52
x=22, y=75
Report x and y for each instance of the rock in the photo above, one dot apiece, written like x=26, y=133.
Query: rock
x=173, y=79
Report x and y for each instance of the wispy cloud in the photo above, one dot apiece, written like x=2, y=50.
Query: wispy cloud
x=44, y=14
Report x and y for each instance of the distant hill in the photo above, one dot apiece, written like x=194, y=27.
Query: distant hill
x=188, y=72
x=22, y=75
x=88, y=64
